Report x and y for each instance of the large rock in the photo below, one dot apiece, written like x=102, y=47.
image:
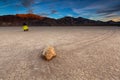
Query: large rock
x=49, y=53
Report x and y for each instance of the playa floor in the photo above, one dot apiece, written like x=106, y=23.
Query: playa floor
x=83, y=53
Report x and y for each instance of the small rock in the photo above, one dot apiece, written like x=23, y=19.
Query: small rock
x=49, y=53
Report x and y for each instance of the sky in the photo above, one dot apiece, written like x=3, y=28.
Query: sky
x=103, y=10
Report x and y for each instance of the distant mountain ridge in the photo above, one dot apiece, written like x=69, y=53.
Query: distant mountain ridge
x=36, y=20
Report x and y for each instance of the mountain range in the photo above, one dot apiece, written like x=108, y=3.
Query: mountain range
x=36, y=20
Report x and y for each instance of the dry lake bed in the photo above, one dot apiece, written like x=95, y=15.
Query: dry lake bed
x=83, y=53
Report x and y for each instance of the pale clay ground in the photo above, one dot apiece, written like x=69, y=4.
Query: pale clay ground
x=83, y=53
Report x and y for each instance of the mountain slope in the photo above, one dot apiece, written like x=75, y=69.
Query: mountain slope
x=36, y=20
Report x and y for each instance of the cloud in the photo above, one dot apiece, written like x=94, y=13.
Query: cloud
x=28, y=4
x=1, y=7
x=54, y=11
x=43, y=14
x=78, y=11
x=70, y=15
x=48, y=13
x=117, y=18
x=18, y=3
x=109, y=10
x=84, y=12
x=100, y=11
x=112, y=15
x=89, y=8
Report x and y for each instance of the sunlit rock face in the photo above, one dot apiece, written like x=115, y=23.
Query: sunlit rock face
x=30, y=16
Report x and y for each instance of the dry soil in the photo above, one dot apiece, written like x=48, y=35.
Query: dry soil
x=83, y=53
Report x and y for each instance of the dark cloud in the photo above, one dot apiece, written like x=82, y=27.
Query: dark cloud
x=18, y=3
x=109, y=10
x=28, y=4
x=48, y=14
x=54, y=11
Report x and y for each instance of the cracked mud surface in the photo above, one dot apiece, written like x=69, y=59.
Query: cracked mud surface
x=83, y=53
